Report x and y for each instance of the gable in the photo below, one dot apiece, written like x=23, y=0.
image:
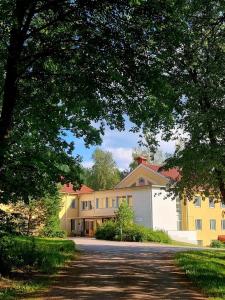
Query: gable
x=142, y=175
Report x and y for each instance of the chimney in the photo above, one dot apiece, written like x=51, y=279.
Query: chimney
x=141, y=160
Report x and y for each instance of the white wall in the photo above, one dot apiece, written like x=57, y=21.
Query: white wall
x=163, y=210
x=142, y=207
x=184, y=236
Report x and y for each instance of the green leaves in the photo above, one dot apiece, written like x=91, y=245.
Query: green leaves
x=104, y=174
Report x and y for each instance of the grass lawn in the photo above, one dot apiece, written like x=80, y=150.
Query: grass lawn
x=46, y=256
x=206, y=269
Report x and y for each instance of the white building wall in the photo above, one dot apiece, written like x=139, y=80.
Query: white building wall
x=163, y=210
x=142, y=207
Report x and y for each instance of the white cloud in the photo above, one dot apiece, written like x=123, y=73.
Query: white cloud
x=122, y=156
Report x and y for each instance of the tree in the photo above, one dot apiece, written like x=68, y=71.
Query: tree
x=64, y=65
x=38, y=217
x=189, y=51
x=124, y=217
x=157, y=157
x=104, y=174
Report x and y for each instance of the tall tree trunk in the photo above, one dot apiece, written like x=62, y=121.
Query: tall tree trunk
x=10, y=91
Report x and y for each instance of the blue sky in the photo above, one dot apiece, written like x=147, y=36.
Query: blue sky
x=119, y=143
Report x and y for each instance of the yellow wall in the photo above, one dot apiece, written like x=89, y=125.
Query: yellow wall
x=205, y=213
x=67, y=213
x=148, y=175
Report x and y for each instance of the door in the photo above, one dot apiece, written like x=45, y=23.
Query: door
x=89, y=228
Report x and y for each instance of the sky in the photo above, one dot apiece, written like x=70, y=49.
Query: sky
x=119, y=143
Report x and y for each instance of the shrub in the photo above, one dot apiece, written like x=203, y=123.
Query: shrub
x=217, y=244
x=132, y=233
x=29, y=253
x=107, y=231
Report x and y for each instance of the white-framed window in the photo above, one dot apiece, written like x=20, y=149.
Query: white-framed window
x=197, y=201
x=117, y=201
x=211, y=202
x=96, y=203
x=212, y=224
x=73, y=203
x=86, y=205
x=106, y=202
x=113, y=203
x=198, y=224
x=223, y=224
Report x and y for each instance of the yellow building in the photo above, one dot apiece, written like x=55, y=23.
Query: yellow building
x=144, y=189
x=206, y=216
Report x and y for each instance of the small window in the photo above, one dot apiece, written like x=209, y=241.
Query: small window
x=212, y=224
x=73, y=203
x=97, y=203
x=223, y=224
x=141, y=181
x=106, y=202
x=113, y=203
x=117, y=202
x=197, y=201
x=211, y=202
x=89, y=205
x=198, y=224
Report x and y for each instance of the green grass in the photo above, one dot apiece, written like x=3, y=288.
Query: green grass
x=36, y=259
x=206, y=269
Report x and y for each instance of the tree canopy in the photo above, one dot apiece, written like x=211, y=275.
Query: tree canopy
x=104, y=174
x=67, y=65
x=64, y=66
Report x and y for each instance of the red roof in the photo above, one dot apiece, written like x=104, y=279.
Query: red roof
x=68, y=188
x=171, y=173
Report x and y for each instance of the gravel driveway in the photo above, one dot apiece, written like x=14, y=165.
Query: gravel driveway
x=121, y=270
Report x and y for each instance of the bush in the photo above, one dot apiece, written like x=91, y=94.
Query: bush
x=107, y=231
x=132, y=233
x=28, y=253
x=217, y=244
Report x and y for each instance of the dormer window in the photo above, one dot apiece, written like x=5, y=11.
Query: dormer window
x=141, y=181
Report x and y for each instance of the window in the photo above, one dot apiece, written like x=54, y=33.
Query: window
x=106, y=202
x=197, y=201
x=198, y=224
x=223, y=224
x=117, y=202
x=212, y=224
x=97, y=203
x=73, y=225
x=73, y=203
x=211, y=202
x=141, y=181
x=113, y=203
x=86, y=205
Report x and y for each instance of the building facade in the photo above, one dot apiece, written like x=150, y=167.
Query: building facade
x=144, y=189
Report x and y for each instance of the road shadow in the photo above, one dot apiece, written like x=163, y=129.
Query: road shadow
x=121, y=272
